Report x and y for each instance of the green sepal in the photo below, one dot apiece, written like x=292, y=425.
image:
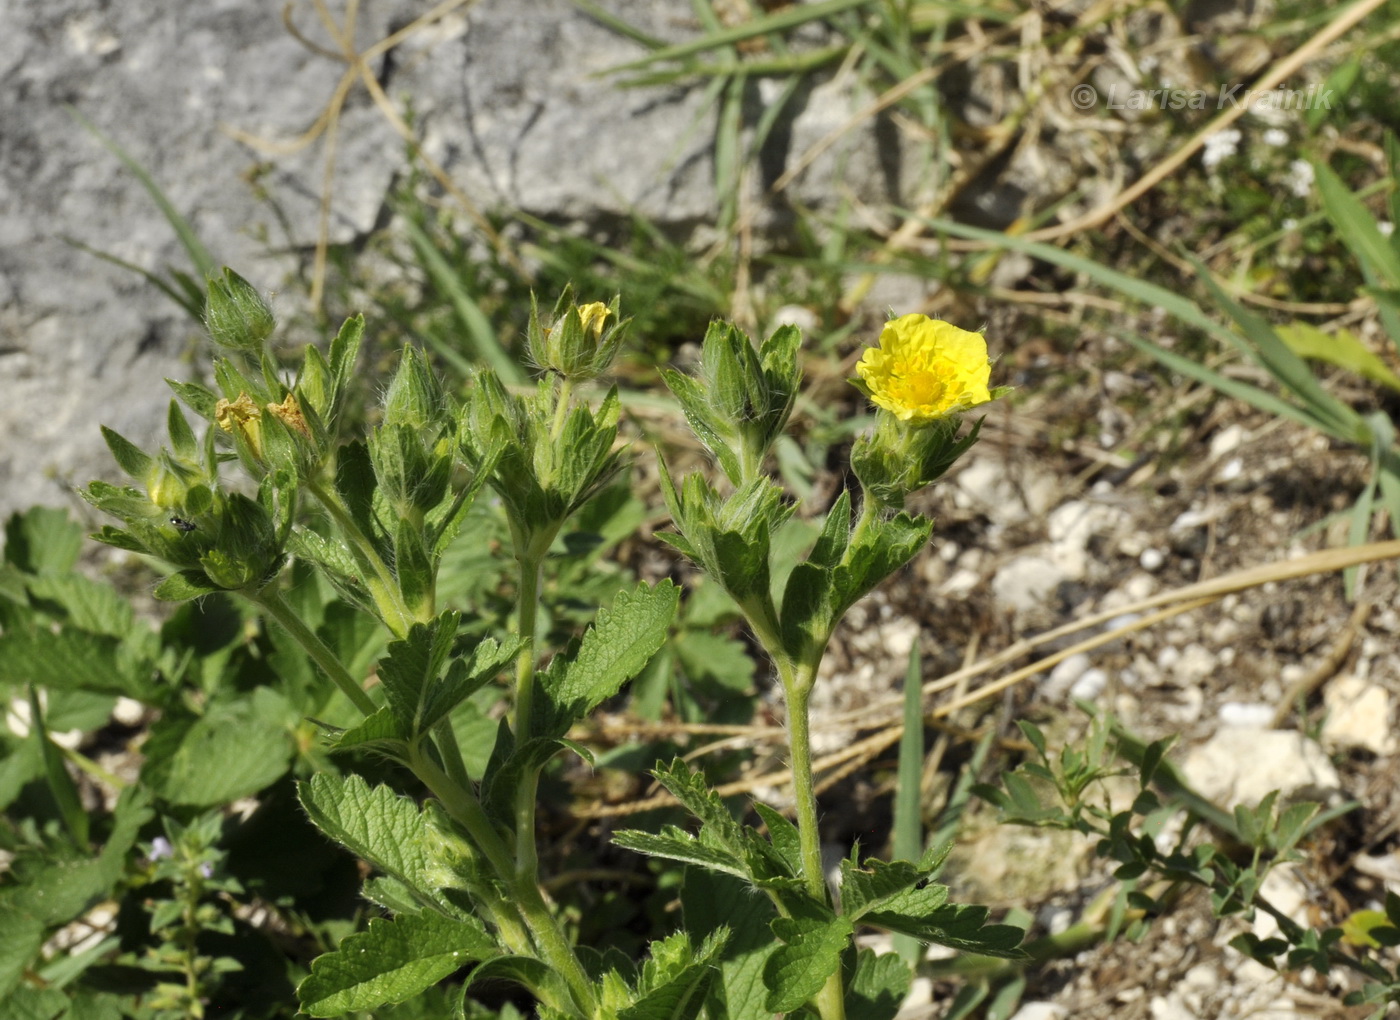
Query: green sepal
x=185, y=585
x=182, y=438
x=129, y=457
x=199, y=399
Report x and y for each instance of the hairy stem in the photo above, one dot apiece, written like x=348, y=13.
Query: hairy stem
x=526, y=855
x=270, y=601
x=797, y=688
x=383, y=586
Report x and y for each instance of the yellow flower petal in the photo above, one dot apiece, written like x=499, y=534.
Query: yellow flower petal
x=926, y=369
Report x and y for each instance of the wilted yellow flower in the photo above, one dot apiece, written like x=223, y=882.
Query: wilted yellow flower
x=925, y=369
x=593, y=316
x=241, y=416
x=289, y=411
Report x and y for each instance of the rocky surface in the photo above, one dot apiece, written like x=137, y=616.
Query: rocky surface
x=507, y=97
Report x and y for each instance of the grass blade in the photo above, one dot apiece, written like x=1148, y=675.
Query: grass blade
x=477, y=331
x=199, y=255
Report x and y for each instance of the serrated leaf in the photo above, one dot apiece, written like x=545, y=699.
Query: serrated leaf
x=711, y=901
x=675, y=978
x=714, y=662
x=414, y=663
x=58, y=892
x=87, y=604
x=392, y=961
x=677, y=845
x=926, y=915
x=619, y=644
x=383, y=732
x=388, y=831
x=464, y=678
x=718, y=827
x=42, y=540
x=235, y=749
x=811, y=953
x=878, y=986
x=864, y=890
x=783, y=836
x=807, y=613
x=543, y=981
x=73, y=660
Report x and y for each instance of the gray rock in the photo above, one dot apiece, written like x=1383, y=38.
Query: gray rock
x=505, y=95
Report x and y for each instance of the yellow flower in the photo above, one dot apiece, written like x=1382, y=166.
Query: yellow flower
x=241, y=416
x=593, y=316
x=289, y=411
x=925, y=369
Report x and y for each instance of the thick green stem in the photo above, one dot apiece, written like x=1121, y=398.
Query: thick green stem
x=526, y=856
x=270, y=601
x=548, y=939
x=804, y=795
x=797, y=688
x=383, y=586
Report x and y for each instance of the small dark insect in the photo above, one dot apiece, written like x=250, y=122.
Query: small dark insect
x=182, y=525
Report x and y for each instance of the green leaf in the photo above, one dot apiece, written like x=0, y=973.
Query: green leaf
x=24, y=934
x=678, y=845
x=129, y=457
x=415, y=663
x=878, y=986
x=87, y=604
x=675, y=978
x=616, y=648
x=383, y=732
x=543, y=981
x=29, y=1003
x=712, y=901
x=877, y=885
x=61, y=785
x=73, y=660
x=714, y=663
x=373, y=822
x=235, y=749
x=392, y=961
x=1343, y=349
x=807, y=613
x=783, y=835
x=811, y=953
x=42, y=540
x=56, y=893
x=464, y=678
x=926, y=915
x=185, y=585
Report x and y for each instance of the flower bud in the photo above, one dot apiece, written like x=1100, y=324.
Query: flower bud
x=236, y=314
x=578, y=344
